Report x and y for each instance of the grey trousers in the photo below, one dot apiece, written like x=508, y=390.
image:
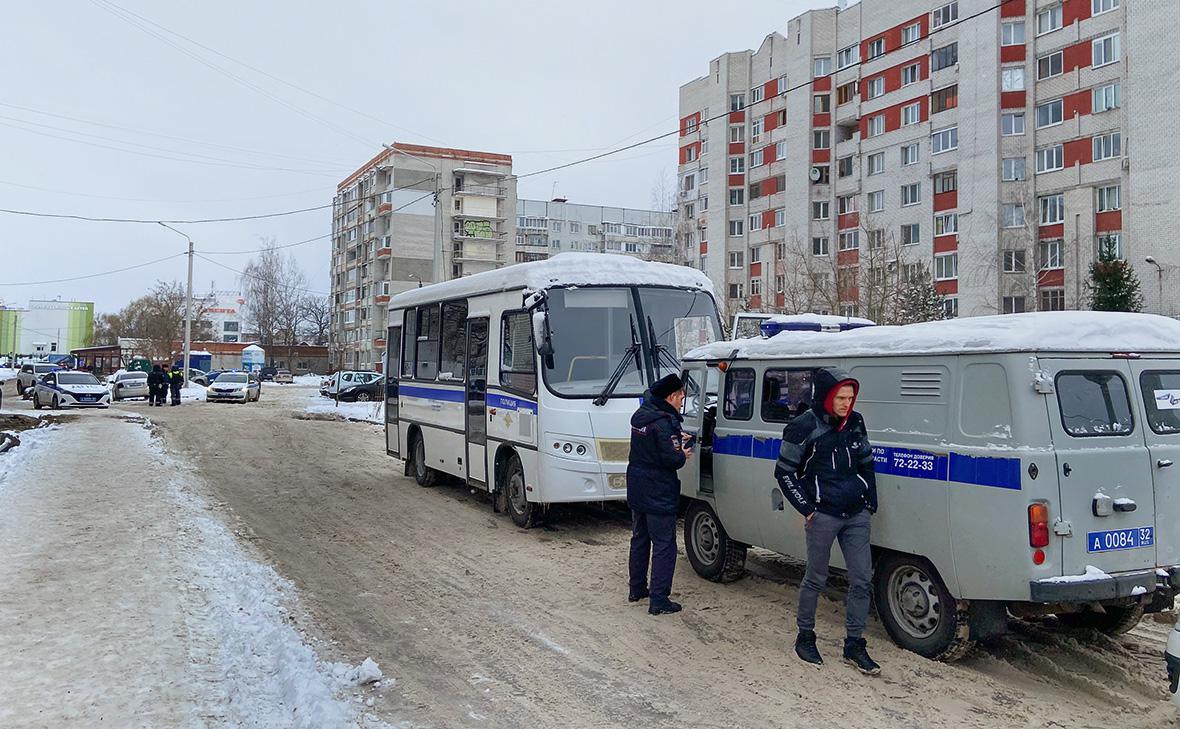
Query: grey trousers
x=853, y=535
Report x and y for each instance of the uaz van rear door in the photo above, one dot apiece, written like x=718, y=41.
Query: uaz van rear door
x=1159, y=388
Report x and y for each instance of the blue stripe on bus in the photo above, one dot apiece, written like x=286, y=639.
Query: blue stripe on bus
x=431, y=393
x=510, y=403
x=1001, y=473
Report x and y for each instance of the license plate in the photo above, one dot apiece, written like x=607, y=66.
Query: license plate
x=1117, y=539
x=88, y=398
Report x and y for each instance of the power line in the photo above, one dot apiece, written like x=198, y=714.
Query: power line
x=157, y=200
x=261, y=278
x=93, y=275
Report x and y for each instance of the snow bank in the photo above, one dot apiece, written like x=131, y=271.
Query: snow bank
x=1049, y=331
x=307, y=380
x=7, y=373
x=373, y=412
x=192, y=392
x=32, y=442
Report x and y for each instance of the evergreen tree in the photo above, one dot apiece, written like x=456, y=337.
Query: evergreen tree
x=1113, y=284
x=918, y=300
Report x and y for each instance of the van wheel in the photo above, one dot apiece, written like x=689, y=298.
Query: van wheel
x=1117, y=619
x=712, y=553
x=423, y=474
x=525, y=514
x=917, y=610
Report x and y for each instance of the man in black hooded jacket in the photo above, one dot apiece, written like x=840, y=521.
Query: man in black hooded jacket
x=658, y=450
x=825, y=469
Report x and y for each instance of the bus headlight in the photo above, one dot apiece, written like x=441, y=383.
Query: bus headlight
x=567, y=447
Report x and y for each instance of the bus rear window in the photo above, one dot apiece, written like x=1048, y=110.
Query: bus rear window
x=1161, y=400
x=1094, y=403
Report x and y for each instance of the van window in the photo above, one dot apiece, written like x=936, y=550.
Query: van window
x=454, y=339
x=1161, y=400
x=739, y=394
x=518, y=361
x=1094, y=403
x=786, y=394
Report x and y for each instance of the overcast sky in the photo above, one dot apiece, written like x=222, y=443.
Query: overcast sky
x=547, y=82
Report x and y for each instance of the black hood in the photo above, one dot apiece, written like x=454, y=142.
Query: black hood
x=652, y=409
x=824, y=383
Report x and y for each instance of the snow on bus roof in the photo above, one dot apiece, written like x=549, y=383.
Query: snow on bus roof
x=821, y=319
x=1050, y=331
x=564, y=269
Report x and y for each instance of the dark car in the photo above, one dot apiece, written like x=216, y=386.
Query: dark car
x=267, y=374
x=363, y=391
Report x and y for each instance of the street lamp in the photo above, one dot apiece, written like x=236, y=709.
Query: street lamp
x=1159, y=271
x=188, y=303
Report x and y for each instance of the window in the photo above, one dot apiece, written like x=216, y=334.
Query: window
x=819, y=246
x=946, y=181
x=846, y=93
x=737, y=102
x=737, y=165
x=948, y=13
x=756, y=129
x=737, y=260
x=739, y=393
x=786, y=394
x=876, y=87
x=1012, y=215
x=755, y=190
x=756, y=158
x=821, y=103
x=911, y=114
x=821, y=139
x=946, y=224
x=1098, y=7
x=755, y=287
x=911, y=34
x=950, y=307
x=518, y=365
x=820, y=210
x=1013, y=169
x=780, y=150
x=454, y=340
x=703, y=173
x=876, y=201
x=944, y=57
x=737, y=196
x=782, y=84
x=876, y=163
x=1050, y=65
x=1110, y=243
x=1014, y=305
x=1049, y=20
x=876, y=125
x=1014, y=262
x=1109, y=198
x=736, y=229
x=755, y=224
x=1106, y=50
x=1012, y=79
x=428, y=331
x=1107, y=97
x=944, y=99
x=876, y=48
x=1052, y=209
x=944, y=140
x=1052, y=300
x=755, y=94
x=1050, y=158
x=1093, y=402
x=780, y=218
x=911, y=74
x=1050, y=254
x=876, y=241
x=846, y=204
x=737, y=133
x=845, y=57
x=736, y=291
x=1012, y=34
x=1108, y=146
x=1159, y=389
x=844, y=167
x=946, y=267
x=1049, y=114
x=911, y=234
x=910, y=154
x=1012, y=124
x=849, y=240
x=821, y=66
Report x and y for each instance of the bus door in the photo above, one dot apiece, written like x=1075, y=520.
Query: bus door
x=393, y=348
x=477, y=402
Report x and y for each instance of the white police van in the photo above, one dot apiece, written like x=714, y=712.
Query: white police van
x=1026, y=466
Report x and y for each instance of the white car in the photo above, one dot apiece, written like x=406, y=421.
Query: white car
x=284, y=376
x=30, y=372
x=1173, y=659
x=126, y=385
x=70, y=390
x=234, y=387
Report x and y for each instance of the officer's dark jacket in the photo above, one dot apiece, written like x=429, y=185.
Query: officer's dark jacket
x=652, y=484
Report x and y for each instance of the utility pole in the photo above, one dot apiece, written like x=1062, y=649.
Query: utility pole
x=188, y=304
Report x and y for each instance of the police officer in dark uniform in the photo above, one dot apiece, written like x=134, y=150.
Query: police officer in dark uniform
x=658, y=450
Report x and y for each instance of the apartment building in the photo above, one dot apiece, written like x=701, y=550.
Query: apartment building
x=986, y=144
x=412, y=215
x=545, y=228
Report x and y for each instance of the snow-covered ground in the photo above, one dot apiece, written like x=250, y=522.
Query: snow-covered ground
x=373, y=412
x=7, y=373
x=127, y=601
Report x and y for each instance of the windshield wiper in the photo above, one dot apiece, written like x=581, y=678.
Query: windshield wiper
x=663, y=354
x=631, y=353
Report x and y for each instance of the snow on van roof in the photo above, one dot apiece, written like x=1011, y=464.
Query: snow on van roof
x=564, y=269
x=1050, y=331
x=821, y=319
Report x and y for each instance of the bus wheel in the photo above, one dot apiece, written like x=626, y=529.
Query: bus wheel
x=712, y=553
x=1117, y=619
x=917, y=610
x=525, y=514
x=423, y=474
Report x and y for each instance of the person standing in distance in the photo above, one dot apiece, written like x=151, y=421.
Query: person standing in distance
x=825, y=469
x=658, y=450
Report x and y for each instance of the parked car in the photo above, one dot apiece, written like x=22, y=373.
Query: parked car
x=235, y=387
x=29, y=374
x=363, y=391
x=1173, y=659
x=212, y=375
x=198, y=376
x=70, y=389
x=126, y=385
x=284, y=376
x=345, y=379
x=267, y=374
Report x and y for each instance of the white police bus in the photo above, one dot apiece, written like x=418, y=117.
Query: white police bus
x=522, y=381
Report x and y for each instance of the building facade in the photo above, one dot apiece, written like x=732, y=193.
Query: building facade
x=225, y=312
x=46, y=327
x=545, y=228
x=983, y=144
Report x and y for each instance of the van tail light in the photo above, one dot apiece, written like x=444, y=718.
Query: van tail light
x=1038, y=525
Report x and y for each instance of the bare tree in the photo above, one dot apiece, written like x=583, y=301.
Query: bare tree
x=274, y=289
x=317, y=318
x=1018, y=240
x=156, y=321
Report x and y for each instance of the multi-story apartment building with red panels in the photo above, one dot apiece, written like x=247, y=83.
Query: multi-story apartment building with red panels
x=994, y=146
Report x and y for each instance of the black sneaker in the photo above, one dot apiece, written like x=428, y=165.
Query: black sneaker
x=805, y=648
x=637, y=596
x=856, y=654
x=662, y=608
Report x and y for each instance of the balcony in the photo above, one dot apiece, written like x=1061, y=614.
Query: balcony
x=385, y=208
x=481, y=190
x=381, y=299
x=379, y=342
x=479, y=229
x=385, y=252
